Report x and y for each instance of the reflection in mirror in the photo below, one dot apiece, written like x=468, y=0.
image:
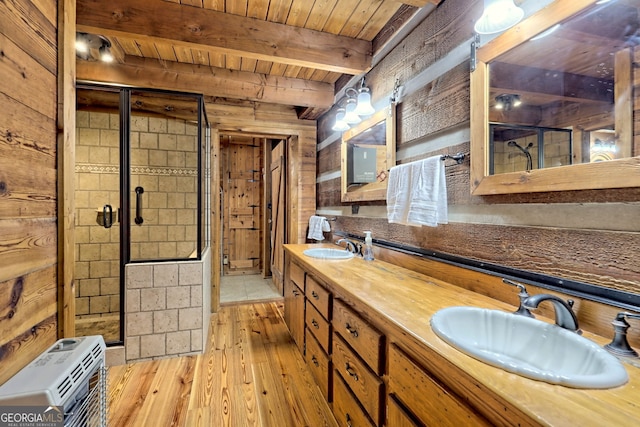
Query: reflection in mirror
x=557, y=90
x=523, y=148
x=567, y=77
x=368, y=152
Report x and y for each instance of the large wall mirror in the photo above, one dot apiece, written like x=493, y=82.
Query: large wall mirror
x=368, y=152
x=552, y=101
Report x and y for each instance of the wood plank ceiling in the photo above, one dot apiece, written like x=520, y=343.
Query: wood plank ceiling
x=289, y=52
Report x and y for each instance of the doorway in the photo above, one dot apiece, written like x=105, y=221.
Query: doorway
x=243, y=202
x=252, y=214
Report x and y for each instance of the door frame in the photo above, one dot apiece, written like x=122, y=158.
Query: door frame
x=301, y=145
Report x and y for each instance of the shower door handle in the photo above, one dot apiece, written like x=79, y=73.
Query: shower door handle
x=139, y=191
x=107, y=215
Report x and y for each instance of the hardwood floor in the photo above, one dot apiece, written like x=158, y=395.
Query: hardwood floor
x=251, y=374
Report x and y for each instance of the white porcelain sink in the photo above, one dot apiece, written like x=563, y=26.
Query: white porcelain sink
x=328, y=253
x=529, y=347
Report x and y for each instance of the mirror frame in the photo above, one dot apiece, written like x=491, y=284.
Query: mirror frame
x=376, y=190
x=620, y=173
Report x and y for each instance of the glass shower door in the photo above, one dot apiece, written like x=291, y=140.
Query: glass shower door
x=164, y=176
x=97, y=225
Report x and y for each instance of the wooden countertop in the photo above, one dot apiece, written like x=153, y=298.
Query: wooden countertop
x=407, y=300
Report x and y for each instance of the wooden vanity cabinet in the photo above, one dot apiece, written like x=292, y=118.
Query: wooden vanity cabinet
x=294, y=304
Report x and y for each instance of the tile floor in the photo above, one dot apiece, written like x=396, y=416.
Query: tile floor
x=245, y=288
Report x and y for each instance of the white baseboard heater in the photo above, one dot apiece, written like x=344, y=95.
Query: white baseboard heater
x=70, y=374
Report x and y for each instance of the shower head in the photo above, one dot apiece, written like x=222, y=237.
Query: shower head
x=519, y=147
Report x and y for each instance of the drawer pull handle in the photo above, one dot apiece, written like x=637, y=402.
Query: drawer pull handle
x=349, y=421
x=315, y=324
x=351, y=372
x=315, y=295
x=353, y=331
x=315, y=361
x=296, y=293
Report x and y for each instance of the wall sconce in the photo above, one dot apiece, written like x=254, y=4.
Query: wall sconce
x=507, y=101
x=88, y=44
x=357, y=103
x=498, y=16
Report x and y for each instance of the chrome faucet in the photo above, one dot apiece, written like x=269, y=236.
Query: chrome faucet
x=565, y=317
x=350, y=246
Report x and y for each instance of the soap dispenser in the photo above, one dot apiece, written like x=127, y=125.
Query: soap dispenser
x=367, y=252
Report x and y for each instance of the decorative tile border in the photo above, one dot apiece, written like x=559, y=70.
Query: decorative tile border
x=142, y=170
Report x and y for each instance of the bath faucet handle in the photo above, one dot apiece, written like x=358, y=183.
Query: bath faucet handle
x=619, y=345
x=523, y=295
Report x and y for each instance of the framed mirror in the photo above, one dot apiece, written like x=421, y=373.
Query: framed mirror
x=552, y=101
x=368, y=151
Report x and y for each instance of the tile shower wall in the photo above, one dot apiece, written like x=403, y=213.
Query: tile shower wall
x=164, y=161
x=97, y=265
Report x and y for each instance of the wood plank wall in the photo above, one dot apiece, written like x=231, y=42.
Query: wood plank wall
x=28, y=229
x=589, y=236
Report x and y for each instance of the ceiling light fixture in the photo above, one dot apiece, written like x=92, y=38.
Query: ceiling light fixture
x=498, y=16
x=92, y=47
x=507, y=101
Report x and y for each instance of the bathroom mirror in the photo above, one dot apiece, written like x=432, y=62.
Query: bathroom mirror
x=552, y=101
x=368, y=152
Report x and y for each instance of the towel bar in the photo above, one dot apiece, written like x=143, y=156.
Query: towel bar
x=458, y=157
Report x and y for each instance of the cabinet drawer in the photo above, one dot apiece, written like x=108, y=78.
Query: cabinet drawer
x=364, y=384
x=345, y=407
x=318, y=296
x=425, y=397
x=296, y=274
x=318, y=326
x=318, y=363
x=365, y=340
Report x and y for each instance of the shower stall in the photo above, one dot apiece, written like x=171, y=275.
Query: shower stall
x=142, y=268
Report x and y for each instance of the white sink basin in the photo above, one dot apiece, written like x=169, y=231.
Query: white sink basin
x=528, y=347
x=328, y=253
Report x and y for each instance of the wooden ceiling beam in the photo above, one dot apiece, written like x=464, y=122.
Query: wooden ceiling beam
x=224, y=33
x=210, y=81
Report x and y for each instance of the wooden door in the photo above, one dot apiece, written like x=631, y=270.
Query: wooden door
x=242, y=184
x=278, y=211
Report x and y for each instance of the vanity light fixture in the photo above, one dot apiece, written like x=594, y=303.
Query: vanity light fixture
x=364, y=107
x=91, y=47
x=355, y=104
x=351, y=117
x=498, y=16
x=340, y=125
x=507, y=101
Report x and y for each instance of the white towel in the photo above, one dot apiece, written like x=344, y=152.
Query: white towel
x=318, y=225
x=429, y=194
x=417, y=194
x=399, y=193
